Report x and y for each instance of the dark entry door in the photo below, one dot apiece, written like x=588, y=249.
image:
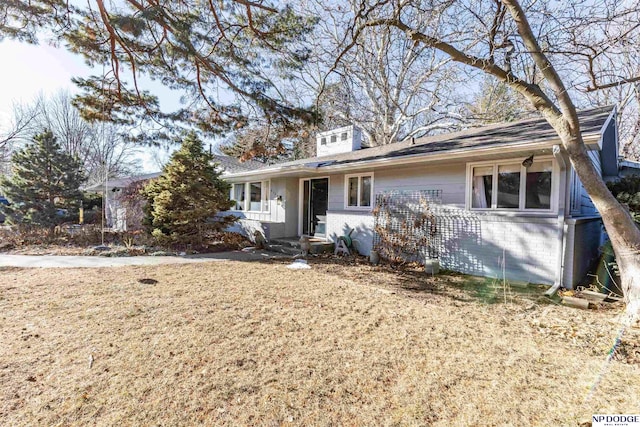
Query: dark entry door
x=315, y=204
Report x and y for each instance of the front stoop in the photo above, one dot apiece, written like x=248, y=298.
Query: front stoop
x=292, y=245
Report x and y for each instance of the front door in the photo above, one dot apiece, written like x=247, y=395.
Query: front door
x=315, y=202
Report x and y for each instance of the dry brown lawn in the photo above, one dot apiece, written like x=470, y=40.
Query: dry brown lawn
x=235, y=343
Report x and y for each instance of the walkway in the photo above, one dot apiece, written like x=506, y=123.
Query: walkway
x=66, y=261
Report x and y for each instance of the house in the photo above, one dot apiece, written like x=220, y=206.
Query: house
x=516, y=206
x=118, y=212
x=627, y=168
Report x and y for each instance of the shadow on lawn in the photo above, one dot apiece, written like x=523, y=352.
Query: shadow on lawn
x=415, y=282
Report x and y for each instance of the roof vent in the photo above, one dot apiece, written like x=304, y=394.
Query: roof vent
x=341, y=140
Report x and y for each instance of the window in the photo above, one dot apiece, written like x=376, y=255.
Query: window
x=334, y=138
x=238, y=196
x=323, y=141
x=258, y=196
x=511, y=186
x=538, y=189
x=482, y=184
x=359, y=191
x=255, y=191
x=344, y=136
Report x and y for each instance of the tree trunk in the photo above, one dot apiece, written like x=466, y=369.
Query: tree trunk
x=622, y=230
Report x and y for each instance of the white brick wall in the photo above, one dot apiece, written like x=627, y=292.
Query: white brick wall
x=518, y=248
x=476, y=244
x=339, y=223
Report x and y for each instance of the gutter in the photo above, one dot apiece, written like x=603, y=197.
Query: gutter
x=562, y=236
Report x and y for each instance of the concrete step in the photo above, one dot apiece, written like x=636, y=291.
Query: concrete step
x=318, y=246
x=285, y=249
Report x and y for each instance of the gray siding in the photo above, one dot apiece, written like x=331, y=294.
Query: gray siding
x=290, y=201
x=583, y=238
x=586, y=205
x=450, y=179
x=609, y=153
x=340, y=223
x=336, y=192
x=281, y=219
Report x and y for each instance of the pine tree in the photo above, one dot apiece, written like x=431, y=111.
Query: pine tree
x=188, y=193
x=44, y=179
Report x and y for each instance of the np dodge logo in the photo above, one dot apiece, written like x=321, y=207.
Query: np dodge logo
x=615, y=421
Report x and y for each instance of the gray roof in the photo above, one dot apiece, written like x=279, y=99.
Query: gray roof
x=502, y=134
x=232, y=165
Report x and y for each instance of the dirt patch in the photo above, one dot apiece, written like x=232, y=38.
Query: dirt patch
x=257, y=344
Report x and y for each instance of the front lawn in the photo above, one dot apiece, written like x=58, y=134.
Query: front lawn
x=231, y=343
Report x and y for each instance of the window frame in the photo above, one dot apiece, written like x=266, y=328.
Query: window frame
x=495, y=164
x=265, y=191
x=346, y=191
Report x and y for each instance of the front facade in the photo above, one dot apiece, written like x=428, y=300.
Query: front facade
x=514, y=207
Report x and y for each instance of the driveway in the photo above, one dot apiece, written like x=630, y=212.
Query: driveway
x=66, y=261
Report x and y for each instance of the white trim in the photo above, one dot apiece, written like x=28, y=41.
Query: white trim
x=301, y=197
x=265, y=196
x=346, y=191
x=555, y=174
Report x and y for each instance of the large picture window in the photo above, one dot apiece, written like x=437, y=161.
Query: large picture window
x=511, y=185
x=359, y=191
x=251, y=196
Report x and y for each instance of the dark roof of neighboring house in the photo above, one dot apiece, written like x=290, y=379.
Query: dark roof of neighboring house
x=231, y=164
x=502, y=134
x=122, y=182
x=228, y=164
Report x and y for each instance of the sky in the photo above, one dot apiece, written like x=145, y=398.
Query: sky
x=28, y=70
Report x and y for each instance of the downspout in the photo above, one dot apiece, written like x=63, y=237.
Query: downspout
x=562, y=238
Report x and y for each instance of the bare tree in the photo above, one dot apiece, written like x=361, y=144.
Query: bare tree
x=59, y=115
x=106, y=145
x=392, y=87
x=513, y=44
x=627, y=99
x=92, y=144
x=497, y=103
x=21, y=124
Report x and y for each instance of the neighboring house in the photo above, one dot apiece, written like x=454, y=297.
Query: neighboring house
x=534, y=222
x=116, y=215
x=627, y=168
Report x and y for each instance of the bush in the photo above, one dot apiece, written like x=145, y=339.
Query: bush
x=627, y=191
